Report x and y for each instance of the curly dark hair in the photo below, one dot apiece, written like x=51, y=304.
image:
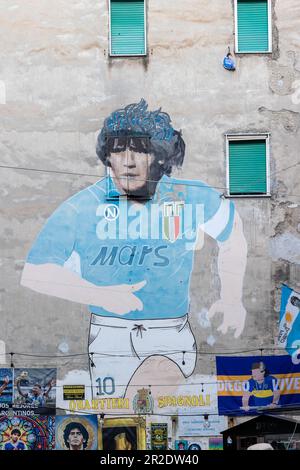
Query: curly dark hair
x=75, y=425
x=144, y=131
x=260, y=365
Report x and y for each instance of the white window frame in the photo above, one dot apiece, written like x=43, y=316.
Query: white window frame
x=239, y=137
x=270, y=31
x=145, y=35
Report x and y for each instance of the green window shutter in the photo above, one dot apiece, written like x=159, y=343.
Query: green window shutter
x=127, y=27
x=247, y=167
x=253, y=26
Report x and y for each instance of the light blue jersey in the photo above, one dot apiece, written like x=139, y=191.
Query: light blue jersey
x=36, y=400
x=111, y=242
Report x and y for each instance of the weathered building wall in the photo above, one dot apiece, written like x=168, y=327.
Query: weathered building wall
x=60, y=84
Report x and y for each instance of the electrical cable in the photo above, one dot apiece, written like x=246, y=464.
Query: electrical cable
x=158, y=352
x=134, y=178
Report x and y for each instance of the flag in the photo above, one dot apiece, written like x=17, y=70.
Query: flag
x=289, y=327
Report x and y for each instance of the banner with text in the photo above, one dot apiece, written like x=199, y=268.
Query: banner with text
x=253, y=384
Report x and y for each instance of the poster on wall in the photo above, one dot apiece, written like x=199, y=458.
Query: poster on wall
x=73, y=392
x=289, y=327
x=194, y=446
x=6, y=389
x=35, y=390
x=253, y=384
x=181, y=445
x=159, y=436
x=208, y=425
x=27, y=433
x=122, y=434
x=76, y=432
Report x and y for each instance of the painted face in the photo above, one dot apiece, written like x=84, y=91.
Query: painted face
x=36, y=390
x=75, y=438
x=131, y=171
x=258, y=374
x=15, y=437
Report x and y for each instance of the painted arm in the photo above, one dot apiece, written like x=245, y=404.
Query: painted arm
x=57, y=281
x=245, y=401
x=18, y=380
x=231, y=267
x=276, y=397
x=50, y=385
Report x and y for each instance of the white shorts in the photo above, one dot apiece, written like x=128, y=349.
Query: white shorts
x=118, y=347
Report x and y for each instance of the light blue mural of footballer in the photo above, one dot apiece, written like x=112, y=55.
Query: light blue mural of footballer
x=125, y=246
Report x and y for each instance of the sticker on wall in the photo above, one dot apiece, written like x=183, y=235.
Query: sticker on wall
x=76, y=432
x=194, y=446
x=74, y=392
x=159, y=436
x=122, y=434
x=35, y=390
x=27, y=433
x=181, y=445
x=6, y=388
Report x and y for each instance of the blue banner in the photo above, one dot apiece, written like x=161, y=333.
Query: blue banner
x=289, y=327
x=254, y=384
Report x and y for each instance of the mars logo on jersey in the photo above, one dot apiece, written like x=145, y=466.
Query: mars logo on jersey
x=172, y=220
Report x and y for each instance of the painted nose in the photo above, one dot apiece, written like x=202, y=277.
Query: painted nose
x=130, y=159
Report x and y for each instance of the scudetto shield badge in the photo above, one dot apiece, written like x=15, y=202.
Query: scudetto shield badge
x=172, y=220
x=143, y=401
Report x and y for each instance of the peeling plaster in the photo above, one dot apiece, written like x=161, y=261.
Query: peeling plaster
x=286, y=247
x=203, y=318
x=282, y=77
x=211, y=340
x=289, y=120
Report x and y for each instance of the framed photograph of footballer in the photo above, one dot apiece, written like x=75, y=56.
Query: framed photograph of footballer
x=122, y=434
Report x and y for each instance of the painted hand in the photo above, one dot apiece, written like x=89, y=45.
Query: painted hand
x=234, y=316
x=245, y=408
x=272, y=405
x=120, y=299
x=6, y=380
